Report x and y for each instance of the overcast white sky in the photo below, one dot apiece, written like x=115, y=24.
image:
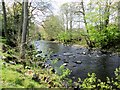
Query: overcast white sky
x=58, y=3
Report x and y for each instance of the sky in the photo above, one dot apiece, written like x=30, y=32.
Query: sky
x=58, y=3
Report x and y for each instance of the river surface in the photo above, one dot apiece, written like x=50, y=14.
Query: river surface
x=80, y=60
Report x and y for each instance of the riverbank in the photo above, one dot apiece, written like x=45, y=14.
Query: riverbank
x=113, y=51
x=39, y=77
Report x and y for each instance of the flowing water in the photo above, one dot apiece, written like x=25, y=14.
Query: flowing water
x=80, y=60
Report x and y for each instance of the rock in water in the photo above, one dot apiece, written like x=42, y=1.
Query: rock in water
x=66, y=61
x=84, y=53
x=55, y=55
x=78, y=62
x=65, y=64
x=67, y=54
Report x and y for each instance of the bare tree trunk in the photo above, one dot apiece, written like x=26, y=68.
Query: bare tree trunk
x=119, y=16
x=21, y=23
x=5, y=20
x=107, y=13
x=88, y=41
x=24, y=29
x=66, y=22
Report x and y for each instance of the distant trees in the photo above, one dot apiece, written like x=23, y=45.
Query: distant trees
x=53, y=26
x=98, y=17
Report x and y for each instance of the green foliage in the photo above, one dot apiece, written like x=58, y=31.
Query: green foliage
x=61, y=71
x=92, y=82
x=63, y=36
x=65, y=72
x=106, y=38
x=53, y=27
x=89, y=82
x=70, y=37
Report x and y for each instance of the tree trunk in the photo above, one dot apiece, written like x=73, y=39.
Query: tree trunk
x=66, y=22
x=5, y=20
x=88, y=41
x=21, y=23
x=24, y=29
x=107, y=13
x=119, y=16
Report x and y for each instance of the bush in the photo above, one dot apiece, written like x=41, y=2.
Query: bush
x=106, y=38
x=92, y=82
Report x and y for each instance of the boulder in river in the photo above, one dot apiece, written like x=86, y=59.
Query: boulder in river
x=55, y=55
x=78, y=62
x=65, y=64
x=66, y=61
x=67, y=54
x=84, y=53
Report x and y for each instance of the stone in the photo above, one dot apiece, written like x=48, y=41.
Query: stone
x=29, y=73
x=53, y=70
x=4, y=63
x=38, y=55
x=27, y=67
x=67, y=54
x=55, y=55
x=78, y=62
x=65, y=64
x=84, y=53
x=13, y=63
x=46, y=55
x=73, y=77
x=46, y=65
x=73, y=65
x=39, y=51
x=66, y=61
x=36, y=77
x=19, y=70
x=97, y=56
x=59, y=58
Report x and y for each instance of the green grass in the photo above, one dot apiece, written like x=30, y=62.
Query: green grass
x=11, y=78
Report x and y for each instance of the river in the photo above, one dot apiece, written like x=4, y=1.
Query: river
x=80, y=60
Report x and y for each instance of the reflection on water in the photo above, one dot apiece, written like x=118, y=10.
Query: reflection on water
x=101, y=64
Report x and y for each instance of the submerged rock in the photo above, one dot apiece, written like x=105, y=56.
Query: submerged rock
x=66, y=61
x=55, y=55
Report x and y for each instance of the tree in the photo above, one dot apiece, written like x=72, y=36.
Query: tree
x=53, y=27
x=24, y=29
x=5, y=20
x=87, y=38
